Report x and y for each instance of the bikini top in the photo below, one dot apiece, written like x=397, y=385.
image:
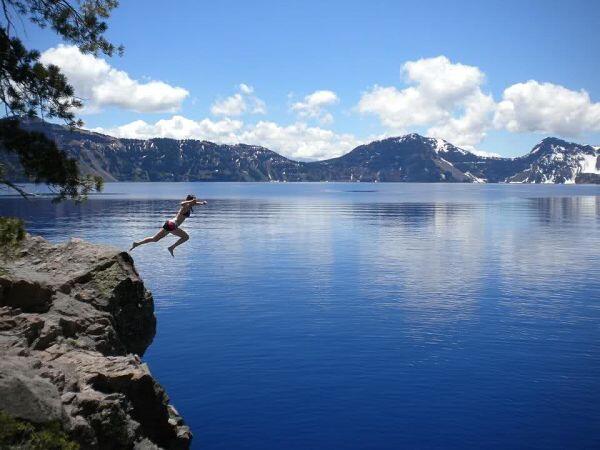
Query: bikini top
x=187, y=214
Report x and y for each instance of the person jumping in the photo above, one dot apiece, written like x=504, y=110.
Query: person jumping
x=172, y=225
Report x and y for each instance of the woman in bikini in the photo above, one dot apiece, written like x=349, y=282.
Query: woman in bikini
x=172, y=225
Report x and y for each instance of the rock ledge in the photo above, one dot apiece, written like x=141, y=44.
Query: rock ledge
x=74, y=320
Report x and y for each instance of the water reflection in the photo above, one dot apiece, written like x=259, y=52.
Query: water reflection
x=559, y=209
x=429, y=259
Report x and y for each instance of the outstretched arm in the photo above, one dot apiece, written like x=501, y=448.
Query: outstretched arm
x=193, y=202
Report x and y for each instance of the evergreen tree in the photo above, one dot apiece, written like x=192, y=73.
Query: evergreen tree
x=29, y=88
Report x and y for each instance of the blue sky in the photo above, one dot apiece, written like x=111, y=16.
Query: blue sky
x=461, y=57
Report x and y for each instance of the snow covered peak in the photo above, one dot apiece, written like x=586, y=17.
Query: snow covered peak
x=556, y=161
x=408, y=137
x=554, y=145
x=436, y=144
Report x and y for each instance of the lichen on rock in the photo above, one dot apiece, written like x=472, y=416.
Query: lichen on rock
x=74, y=320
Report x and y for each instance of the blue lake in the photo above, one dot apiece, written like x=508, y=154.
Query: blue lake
x=365, y=316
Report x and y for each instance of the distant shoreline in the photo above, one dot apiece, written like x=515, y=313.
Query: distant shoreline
x=409, y=158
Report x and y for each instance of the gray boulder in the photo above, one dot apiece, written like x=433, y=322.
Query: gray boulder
x=74, y=321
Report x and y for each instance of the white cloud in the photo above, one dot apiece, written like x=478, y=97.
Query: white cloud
x=101, y=85
x=485, y=154
x=444, y=96
x=313, y=105
x=239, y=103
x=230, y=106
x=469, y=128
x=246, y=89
x=547, y=108
x=443, y=81
x=299, y=141
x=179, y=127
x=296, y=141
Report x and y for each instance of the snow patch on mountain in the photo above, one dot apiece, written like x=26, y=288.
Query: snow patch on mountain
x=474, y=178
x=439, y=145
x=558, y=161
x=589, y=164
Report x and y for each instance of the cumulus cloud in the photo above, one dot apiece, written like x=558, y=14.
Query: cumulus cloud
x=296, y=141
x=300, y=141
x=547, y=108
x=245, y=89
x=179, y=127
x=445, y=96
x=240, y=103
x=469, y=128
x=101, y=85
x=314, y=106
x=485, y=154
x=230, y=106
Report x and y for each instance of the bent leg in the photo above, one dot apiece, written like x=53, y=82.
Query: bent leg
x=183, y=236
x=157, y=237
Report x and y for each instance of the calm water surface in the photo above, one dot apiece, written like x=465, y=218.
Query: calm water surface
x=366, y=316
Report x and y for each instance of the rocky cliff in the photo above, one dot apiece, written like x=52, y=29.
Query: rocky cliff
x=74, y=321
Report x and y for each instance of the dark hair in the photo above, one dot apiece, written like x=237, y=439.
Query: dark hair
x=190, y=197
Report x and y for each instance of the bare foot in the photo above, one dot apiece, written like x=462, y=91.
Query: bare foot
x=171, y=252
x=134, y=245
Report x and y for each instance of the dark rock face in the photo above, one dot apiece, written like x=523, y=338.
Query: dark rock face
x=408, y=158
x=73, y=320
x=588, y=178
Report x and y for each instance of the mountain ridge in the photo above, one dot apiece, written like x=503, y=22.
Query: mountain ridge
x=408, y=158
